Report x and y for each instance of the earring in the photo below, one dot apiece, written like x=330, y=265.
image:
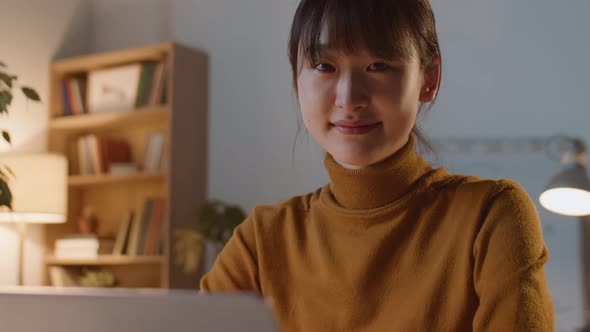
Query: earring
x=427, y=89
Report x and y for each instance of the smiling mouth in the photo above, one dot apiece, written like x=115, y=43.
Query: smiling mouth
x=357, y=129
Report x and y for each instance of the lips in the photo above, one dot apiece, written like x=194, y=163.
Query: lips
x=356, y=127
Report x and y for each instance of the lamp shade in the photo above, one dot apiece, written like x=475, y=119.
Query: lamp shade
x=568, y=192
x=38, y=186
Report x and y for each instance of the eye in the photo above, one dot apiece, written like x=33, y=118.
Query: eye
x=325, y=68
x=379, y=67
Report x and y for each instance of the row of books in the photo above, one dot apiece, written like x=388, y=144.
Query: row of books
x=142, y=233
x=92, y=154
x=138, y=234
x=120, y=88
x=73, y=91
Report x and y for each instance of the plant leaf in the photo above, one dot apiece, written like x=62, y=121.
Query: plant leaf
x=7, y=79
x=2, y=64
x=31, y=94
x=5, y=195
x=5, y=100
x=6, y=136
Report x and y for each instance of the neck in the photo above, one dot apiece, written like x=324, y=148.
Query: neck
x=378, y=184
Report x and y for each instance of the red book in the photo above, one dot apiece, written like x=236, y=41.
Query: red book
x=116, y=152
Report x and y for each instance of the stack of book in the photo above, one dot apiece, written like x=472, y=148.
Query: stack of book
x=82, y=246
x=92, y=154
x=74, y=95
x=142, y=234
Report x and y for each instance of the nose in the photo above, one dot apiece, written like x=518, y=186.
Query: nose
x=351, y=92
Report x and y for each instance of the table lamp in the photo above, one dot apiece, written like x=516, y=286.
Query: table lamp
x=568, y=192
x=38, y=183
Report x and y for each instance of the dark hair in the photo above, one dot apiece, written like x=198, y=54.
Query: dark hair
x=384, y=28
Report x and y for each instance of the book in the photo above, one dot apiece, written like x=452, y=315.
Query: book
x=78, y=88
x=153, y=152
x=158, y=85
x=96, y=154
x=134, y=234
x=145, y=83
x=123, y=235
x=72, y=96
x=146, y=217
x=67, y=111
x=153, y=235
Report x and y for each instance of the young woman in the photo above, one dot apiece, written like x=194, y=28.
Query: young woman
x=390, y=244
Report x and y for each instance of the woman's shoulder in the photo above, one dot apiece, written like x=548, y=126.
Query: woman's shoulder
x=470, y=186
x=294, y=208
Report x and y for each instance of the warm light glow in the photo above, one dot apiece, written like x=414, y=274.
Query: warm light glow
x=567, y=201
x=39, y=188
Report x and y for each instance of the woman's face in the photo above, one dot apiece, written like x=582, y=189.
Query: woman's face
x=359, y=108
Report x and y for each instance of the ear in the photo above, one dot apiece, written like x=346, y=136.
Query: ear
x=431, y=81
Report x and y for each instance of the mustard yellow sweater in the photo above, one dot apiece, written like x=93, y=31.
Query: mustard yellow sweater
x=398, y=246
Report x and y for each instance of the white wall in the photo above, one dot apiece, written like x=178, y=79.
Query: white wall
x=118, y=24
x=253, y=113
x=511, y=68
x=32, y=33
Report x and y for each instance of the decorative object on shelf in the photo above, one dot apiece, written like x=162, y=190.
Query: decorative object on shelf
x=87, y=222
x=113, y=89
x=8, y=82
x=82, y=246
x=97, y=278
x=124, y=88
x=39, y=189
x=214, y=224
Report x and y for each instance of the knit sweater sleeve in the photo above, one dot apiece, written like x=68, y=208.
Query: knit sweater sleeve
x=509, y=257
x=236, y=266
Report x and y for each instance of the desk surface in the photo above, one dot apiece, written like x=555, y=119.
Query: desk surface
x=80, y=309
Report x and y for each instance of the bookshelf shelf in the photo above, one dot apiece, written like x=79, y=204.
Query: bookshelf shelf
x=105, y=260
x=109, y=120
x=89, y=180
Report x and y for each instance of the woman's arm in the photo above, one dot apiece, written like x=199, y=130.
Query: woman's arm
x=509, y=275
x=236, y=267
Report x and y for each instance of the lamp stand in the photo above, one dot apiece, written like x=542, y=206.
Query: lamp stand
x=22, y=231
x=585, y=255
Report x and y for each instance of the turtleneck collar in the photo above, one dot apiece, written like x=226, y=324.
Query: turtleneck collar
x=379, y=184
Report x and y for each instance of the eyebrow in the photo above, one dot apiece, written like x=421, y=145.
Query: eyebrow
x=327, y=48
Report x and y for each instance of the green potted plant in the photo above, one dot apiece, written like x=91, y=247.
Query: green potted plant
x=195, y=247
x=8, y=83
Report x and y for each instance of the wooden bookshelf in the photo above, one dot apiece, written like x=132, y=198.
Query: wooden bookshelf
x=91, y=180
x=182, y=118
x=109, y=120
x=105, y=260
